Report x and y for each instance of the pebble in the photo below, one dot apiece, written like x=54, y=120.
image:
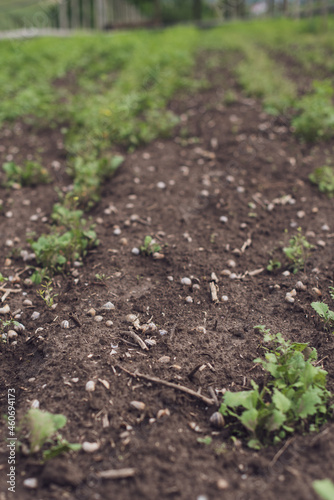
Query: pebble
x=131, y=318
x=231, y=263
x=204, y=193
x=19, y=327
x=300, y=286
x=223, y=219
x=224, y=298
x=5, y=309
x=27, y=282
x=91, y=312
x=9, y=214
x=35, y=315
x=189, y=300
x=138, y=405
x=325, y=227
x=27, y=302
x=286, y=273
x=35, y=404
x=117, y=231
x=9, y=243
x=164, y=359
x=233, y=276
x=186, y=281
x=226, y=272
x=317, y=292
x=124, y=242
x=135, y=251
x=240, y=189
x=164, y=412
x=11, y=335
x=98, y=319
x=222, y=484
x=64, y=324
x=90, y=386
x=109, y=323
x=163, y=332
x=170, y=278
x=289, y=298
x=300, y=214
x=161, y=185
x=230, y=178
x=321, y=243
x=200, y=329
x=90, y=447
x=31, y=483
x=108, y=306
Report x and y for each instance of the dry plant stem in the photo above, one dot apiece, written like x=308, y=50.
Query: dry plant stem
x=181, y=388
x=213, y=290
x=116, y=473
x=136, y=338
x=281, y=451
x=8, y=291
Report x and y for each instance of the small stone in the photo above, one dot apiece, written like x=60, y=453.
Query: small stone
x=200, y=329
x=240, y=189
x=9, y=214
x=230, y=179
x=91, y=312
x=223, y=219
x=163, y=332
x=98, y=319
x=161, y=185
x=186, y=281
x=204, y=193
x=325, y=227
x=19, y=328
x=233, y=276
x=164, y=359
x=321, y=243
x=317, y=292
x=90, y=447
x=35, y=315
x=35, y=404
x=12, y=335
x=286, y=273
x=189, y=300
x=64, y=324
x=315, y=210
x=158, y=256
x=224, y=298
x=90, y=386
x=222, y=484
x=9, y=243
x=226, y=272
x=109, y=306
x=124, y=242
x=231, y=263
x=27, y=302
x=300, y=286
x=28, y=283
x=289, y=298
x=31, y=483
x=135, y=251
x=5, y=309
x=164, y=412
x=109, y=323
x=138, y=405
x=300, y=214
x=131, y=318
x=170, y=278
x=117, y=231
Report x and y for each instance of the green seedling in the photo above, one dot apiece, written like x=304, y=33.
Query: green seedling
x=2, y=278
x=41, y=428
x=150, y=246
x=324, y=312
x=293, y=398
x=324, y=488
x=323, y=177
x=46, y=293
x=273, y=265
x=298, y=251
x=31, y=174
x=69, y=241
x=331, y=292
x=102, y=277
x=4, y=325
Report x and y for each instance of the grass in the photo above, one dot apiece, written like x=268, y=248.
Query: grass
x=109, y=91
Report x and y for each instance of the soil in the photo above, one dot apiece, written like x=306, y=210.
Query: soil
x=235, y=161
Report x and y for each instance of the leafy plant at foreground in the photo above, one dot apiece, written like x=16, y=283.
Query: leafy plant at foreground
x=323, y=177
x=40, y=427
x=298, y=251
x=294, y=398
x=324, y=312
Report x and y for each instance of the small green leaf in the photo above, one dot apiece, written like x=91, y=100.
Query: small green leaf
x=281, y=402
x=206, y=440
x=249, y=419
x=324, y=488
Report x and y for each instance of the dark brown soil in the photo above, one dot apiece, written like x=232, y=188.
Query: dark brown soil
x=234, y=162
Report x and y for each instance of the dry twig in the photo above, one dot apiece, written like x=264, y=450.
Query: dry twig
x=181, y=388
